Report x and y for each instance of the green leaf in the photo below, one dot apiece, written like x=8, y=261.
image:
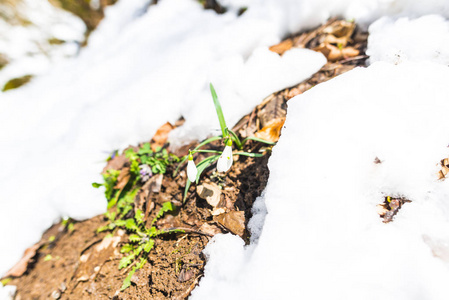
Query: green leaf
x=126, y=248
x=236, y=139
x=139, y=216
x=218, y=110
x=148, y=246
x=141, y=263
x=127, y=282
x=96, y=185
x=126, y=261
x=102, y=228
x=204, y=164
x=120, y=223
x=166, y=207
x=186, y=189
x=249, y=154
x=131, y=225
x=135, y=238
x=257, y=140
x=207, y=141
x=152, y=231
x=146, y=149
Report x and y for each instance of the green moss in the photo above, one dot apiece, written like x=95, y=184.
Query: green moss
x=16, y=82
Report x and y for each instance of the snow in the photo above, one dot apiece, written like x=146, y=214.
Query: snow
x=316, y=232
x=322, y=226
x=396, y=40
x=27, y=47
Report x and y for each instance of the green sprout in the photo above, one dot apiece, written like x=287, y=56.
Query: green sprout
x=224, y=158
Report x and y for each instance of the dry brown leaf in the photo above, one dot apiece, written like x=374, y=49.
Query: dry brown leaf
x=234, y=221
x=161, y=136
x=20, y=268
x=123, y=179
x=274, y=108
x=116, y=163
x=210, y=229
x=210, y=192
x=340, y=29
x=271, y=131
x=334, y=53
x=282, y=47
x=390, y=208
x=185, y=275
x=444, y=163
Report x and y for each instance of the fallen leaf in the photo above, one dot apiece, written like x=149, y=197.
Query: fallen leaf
x=210, y=192
x=123, y=179
x=210, y=229
x=272, y=130
x=117, y=163
x=274, y=108
x=444, y=163
x=282, y=47
x=234, y=221
x=333, y=53
x=20, y=268
x=390, y=208
x=161, y=136
x=185, y=275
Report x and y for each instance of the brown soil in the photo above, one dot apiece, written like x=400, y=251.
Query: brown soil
x=82, y=264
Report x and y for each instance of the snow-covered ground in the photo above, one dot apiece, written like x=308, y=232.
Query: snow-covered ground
x=321, y=236
x=34, y=35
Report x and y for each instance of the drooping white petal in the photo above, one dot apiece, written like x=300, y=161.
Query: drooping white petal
x=225, y=161
x=191, y=171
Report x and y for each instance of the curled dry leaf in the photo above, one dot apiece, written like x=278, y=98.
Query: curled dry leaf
x=444, y=163
x=185, y=275
x=210, y=229
x=390, y=208
x=123, y=179
x=333, y=53
x=282, y=47
x=161, y=136
x=234, y=221
x=20, y=268
x=272, y=130
x=210, y=192
x=117, y=163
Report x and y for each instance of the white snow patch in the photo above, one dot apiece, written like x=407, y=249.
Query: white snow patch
x=322, y=227
x=28, y=48
x=395, y=41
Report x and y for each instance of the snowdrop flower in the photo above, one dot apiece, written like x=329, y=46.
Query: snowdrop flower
x=225, y=161
x=191, y=169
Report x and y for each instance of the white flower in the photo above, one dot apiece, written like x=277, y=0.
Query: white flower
x=191, y=169
x=225, y=161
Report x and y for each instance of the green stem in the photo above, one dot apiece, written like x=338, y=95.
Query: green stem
x=249, y=154
x=257, y=140
x=218, y=110
x=236, y=139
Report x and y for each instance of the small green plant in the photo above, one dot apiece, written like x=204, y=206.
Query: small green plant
x=143, y=163
x=141, y=241
x=223, y=158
